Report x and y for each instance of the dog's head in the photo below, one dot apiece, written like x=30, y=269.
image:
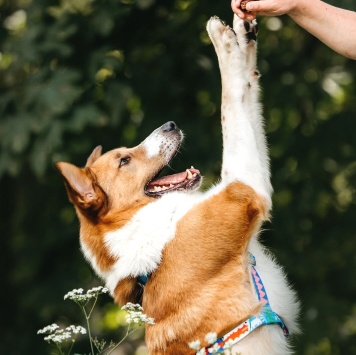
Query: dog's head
x=126, y=178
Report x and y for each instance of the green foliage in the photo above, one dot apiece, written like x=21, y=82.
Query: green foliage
x=78, y=73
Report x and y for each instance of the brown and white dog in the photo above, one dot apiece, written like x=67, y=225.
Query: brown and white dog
x=195, y=246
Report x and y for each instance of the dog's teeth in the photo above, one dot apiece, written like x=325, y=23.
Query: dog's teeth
x=162, y=188
x=190, y=175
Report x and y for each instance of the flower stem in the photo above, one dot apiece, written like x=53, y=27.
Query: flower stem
x=70, y=349
x=92, y=308
x=121, y=341
x=60, y=349
x=88, y=327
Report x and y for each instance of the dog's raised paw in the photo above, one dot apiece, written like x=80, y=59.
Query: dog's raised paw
x=222, y=36
x=215, y=27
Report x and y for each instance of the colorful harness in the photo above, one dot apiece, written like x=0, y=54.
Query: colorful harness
x=266, y=316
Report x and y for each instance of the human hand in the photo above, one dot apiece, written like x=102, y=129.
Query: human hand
x=263, y=7
x=236, y=8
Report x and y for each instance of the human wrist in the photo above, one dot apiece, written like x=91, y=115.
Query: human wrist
x=299, y=8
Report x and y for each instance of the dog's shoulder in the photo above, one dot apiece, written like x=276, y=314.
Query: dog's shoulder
x=138, y=245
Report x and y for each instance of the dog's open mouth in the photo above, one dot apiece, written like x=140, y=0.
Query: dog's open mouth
x=184, y=181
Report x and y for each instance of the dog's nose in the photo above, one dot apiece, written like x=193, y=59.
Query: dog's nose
x=169, y=126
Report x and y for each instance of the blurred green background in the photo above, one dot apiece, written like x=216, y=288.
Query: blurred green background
x=78, y=73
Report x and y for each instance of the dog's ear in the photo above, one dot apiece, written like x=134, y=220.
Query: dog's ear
x=94, y=156
x=83, y=191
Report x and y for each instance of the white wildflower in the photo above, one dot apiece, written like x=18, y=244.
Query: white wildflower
x=215, y=348
x=74, y=294
x=211, y=338
x=76, y=329
x=98, y=290
x=135, y=316
x=195, y=345
x=49, y=329
x=229, y=344
x=132, y=307
x=77, y=295
x=57, y=335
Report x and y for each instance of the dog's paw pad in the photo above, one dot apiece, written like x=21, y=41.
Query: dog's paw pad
x=246, y=31
x=247, y=25
x=251, y=30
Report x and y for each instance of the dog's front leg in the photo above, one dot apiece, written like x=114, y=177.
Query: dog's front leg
x=245, y=156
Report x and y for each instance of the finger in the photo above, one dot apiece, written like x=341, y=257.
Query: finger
x=254, y=6
x=265, y=8
x=249, y=16
x=235, y=5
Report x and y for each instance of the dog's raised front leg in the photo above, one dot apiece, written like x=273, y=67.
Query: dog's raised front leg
x=245, y=156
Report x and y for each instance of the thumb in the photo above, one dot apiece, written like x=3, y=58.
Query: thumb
x=253, y=6
x=265, y=7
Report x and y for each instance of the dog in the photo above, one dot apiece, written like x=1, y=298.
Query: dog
x=199, y=254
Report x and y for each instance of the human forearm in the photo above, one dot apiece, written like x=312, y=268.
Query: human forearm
x=334, y=26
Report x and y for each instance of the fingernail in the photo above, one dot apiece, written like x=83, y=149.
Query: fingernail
x=249, y=6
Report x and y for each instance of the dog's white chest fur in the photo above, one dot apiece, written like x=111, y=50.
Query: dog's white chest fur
x=138, y=246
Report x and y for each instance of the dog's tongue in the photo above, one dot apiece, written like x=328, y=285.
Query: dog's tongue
x=175, y=178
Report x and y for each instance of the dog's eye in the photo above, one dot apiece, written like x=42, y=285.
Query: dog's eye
x=124, y=161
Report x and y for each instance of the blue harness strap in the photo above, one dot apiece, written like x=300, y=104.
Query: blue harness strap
x=267, y=314
x=265, y=317
x=142, y=280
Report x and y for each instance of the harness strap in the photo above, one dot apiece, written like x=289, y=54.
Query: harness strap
x=265, y=317
x=142, y=279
